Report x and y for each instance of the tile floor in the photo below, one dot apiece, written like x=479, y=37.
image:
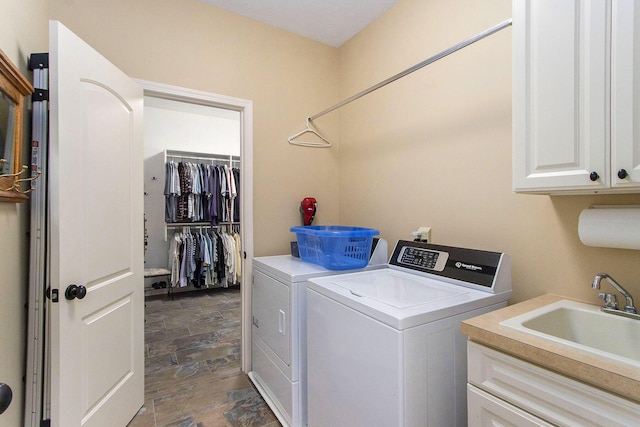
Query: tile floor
x=192, y=364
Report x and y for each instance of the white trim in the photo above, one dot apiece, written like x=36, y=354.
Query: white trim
x=245, y=107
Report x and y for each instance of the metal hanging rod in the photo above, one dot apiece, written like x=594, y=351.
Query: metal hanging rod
x=201, y=156
x=202, y=159
x=416, y=67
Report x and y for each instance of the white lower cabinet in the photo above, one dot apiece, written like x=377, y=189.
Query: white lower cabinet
x=506, y=391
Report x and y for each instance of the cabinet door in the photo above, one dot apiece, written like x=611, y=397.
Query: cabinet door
x=487, y=410
x=560, y=94
x=625, y=94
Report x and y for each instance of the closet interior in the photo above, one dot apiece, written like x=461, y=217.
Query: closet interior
x=192, y=196
x=202, y=217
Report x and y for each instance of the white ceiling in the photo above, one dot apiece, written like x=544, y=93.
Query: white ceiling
x=331, y=22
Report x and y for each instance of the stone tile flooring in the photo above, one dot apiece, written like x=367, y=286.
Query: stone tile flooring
x=192, y=364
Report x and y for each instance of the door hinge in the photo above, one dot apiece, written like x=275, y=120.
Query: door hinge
x=52, y=294
x=40, y=95
x=38, y=60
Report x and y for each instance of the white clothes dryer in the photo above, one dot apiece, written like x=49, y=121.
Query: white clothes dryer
x=278, y=349
x=384, y=347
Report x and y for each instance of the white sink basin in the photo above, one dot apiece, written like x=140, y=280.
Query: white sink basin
x=585, y=327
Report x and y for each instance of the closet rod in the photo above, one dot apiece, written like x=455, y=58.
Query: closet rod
x=199, y=224
x=416, y=67
x=219, y=159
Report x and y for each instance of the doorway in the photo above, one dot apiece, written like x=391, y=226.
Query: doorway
x=231, y=112
x=183, y=126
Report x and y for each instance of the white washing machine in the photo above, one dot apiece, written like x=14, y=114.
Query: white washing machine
x=278, y=350
x=384, y=347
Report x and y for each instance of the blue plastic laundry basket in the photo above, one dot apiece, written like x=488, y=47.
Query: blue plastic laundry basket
x=335, y=247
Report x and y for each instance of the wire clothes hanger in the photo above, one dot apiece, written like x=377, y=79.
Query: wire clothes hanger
x=324, y=143
x=393, y=78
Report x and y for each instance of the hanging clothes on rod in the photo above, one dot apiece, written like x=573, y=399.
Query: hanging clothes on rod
x=171, y=191
x=391, y=79
x=207, y=258
x=197, y=192
x=203, y=210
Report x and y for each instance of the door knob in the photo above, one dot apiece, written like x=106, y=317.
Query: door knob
x=5, y=397
x=75, y=291
x=593, y=176
x=622, y=174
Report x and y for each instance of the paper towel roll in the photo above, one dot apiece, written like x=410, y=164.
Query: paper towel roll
x=610, y=226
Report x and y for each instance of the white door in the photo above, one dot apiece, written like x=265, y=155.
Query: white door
x=96, y=223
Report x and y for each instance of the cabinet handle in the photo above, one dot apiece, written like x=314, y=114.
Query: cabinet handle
x=593, y=176
x=622, y=174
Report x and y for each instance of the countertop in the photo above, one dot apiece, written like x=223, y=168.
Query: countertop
x=609, y=375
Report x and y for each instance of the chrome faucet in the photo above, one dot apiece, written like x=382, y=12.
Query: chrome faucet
x=611, y=304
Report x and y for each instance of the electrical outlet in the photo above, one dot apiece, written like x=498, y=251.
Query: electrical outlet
x=423, y=234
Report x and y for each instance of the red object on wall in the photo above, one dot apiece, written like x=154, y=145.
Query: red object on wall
x=308, y=208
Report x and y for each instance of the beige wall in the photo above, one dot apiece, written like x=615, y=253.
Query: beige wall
x=23, y=31
x=191, y=44
x=434, y=149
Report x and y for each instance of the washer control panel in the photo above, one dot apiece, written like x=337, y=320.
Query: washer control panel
x=483, y=270
x=424, y=259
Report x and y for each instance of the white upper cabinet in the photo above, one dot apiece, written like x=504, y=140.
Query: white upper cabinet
x=575, y=96
x=625, y=94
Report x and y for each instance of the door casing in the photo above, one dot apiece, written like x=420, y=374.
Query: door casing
x=245, y=108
